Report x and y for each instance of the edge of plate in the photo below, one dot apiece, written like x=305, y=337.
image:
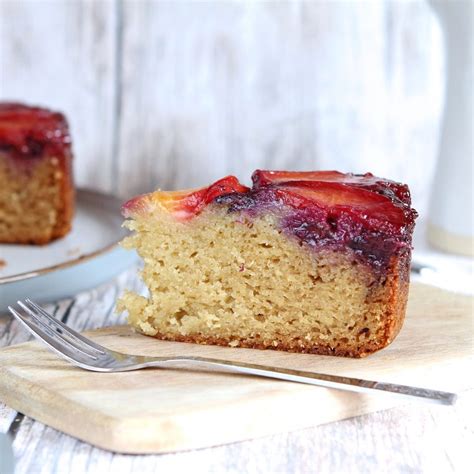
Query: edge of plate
x=110, y=202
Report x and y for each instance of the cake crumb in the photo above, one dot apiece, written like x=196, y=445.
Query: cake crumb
x=240, y=293
x=3, y=263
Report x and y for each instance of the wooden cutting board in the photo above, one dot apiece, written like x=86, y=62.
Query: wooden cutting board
x=152, y=411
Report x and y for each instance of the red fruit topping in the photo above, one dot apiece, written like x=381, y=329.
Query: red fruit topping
x=370, y=216
x=364, y=196
x=328, y=209
x=262, y=178
x=29, y=132
x=336, y=197
x=193, y=203
x=368, y=181
x=185, y=204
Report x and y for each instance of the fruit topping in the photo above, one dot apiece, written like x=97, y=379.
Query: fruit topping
x=329, y=209
x=29, y=132
x=368, y=181
x=323, y=209
x=185, y=204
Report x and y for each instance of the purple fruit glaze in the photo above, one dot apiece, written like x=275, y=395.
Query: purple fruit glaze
x=372, y=240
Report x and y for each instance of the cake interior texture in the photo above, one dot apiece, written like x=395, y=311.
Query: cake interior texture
x=225, y=281
x=36, y=186
x=32, y=207
x=240, y=279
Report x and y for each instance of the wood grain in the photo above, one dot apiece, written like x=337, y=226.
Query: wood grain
x=62, y=54
x=176, y=94
x=172, y=410
x=227, y=87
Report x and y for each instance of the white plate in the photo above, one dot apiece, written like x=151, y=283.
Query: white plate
x=86, y=257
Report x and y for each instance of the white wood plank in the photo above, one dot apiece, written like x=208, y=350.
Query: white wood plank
x=7, y=415
x=62, y=55
x=210, y=88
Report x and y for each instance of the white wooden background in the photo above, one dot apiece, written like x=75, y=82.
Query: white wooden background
x=177, y=93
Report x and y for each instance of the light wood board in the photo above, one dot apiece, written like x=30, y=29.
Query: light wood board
x=170, y=410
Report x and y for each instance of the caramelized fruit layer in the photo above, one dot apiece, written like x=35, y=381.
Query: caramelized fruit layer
x=325, y=210
x=31, y=132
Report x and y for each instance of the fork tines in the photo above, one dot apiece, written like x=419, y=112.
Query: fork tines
x=53, y=332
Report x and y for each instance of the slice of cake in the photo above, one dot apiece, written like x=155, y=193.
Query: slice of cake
x=36, y=187
x=314, y=262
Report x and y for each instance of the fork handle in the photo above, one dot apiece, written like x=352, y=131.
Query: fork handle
x=313, y=378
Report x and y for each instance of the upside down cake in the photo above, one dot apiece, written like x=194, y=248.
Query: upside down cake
x=314, y=262
x=36, y=187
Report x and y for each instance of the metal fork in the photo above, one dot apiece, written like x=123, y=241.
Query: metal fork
x=89, y=355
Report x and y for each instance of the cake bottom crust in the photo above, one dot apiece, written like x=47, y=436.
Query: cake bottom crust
x=342, y=351
x=226, y=281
